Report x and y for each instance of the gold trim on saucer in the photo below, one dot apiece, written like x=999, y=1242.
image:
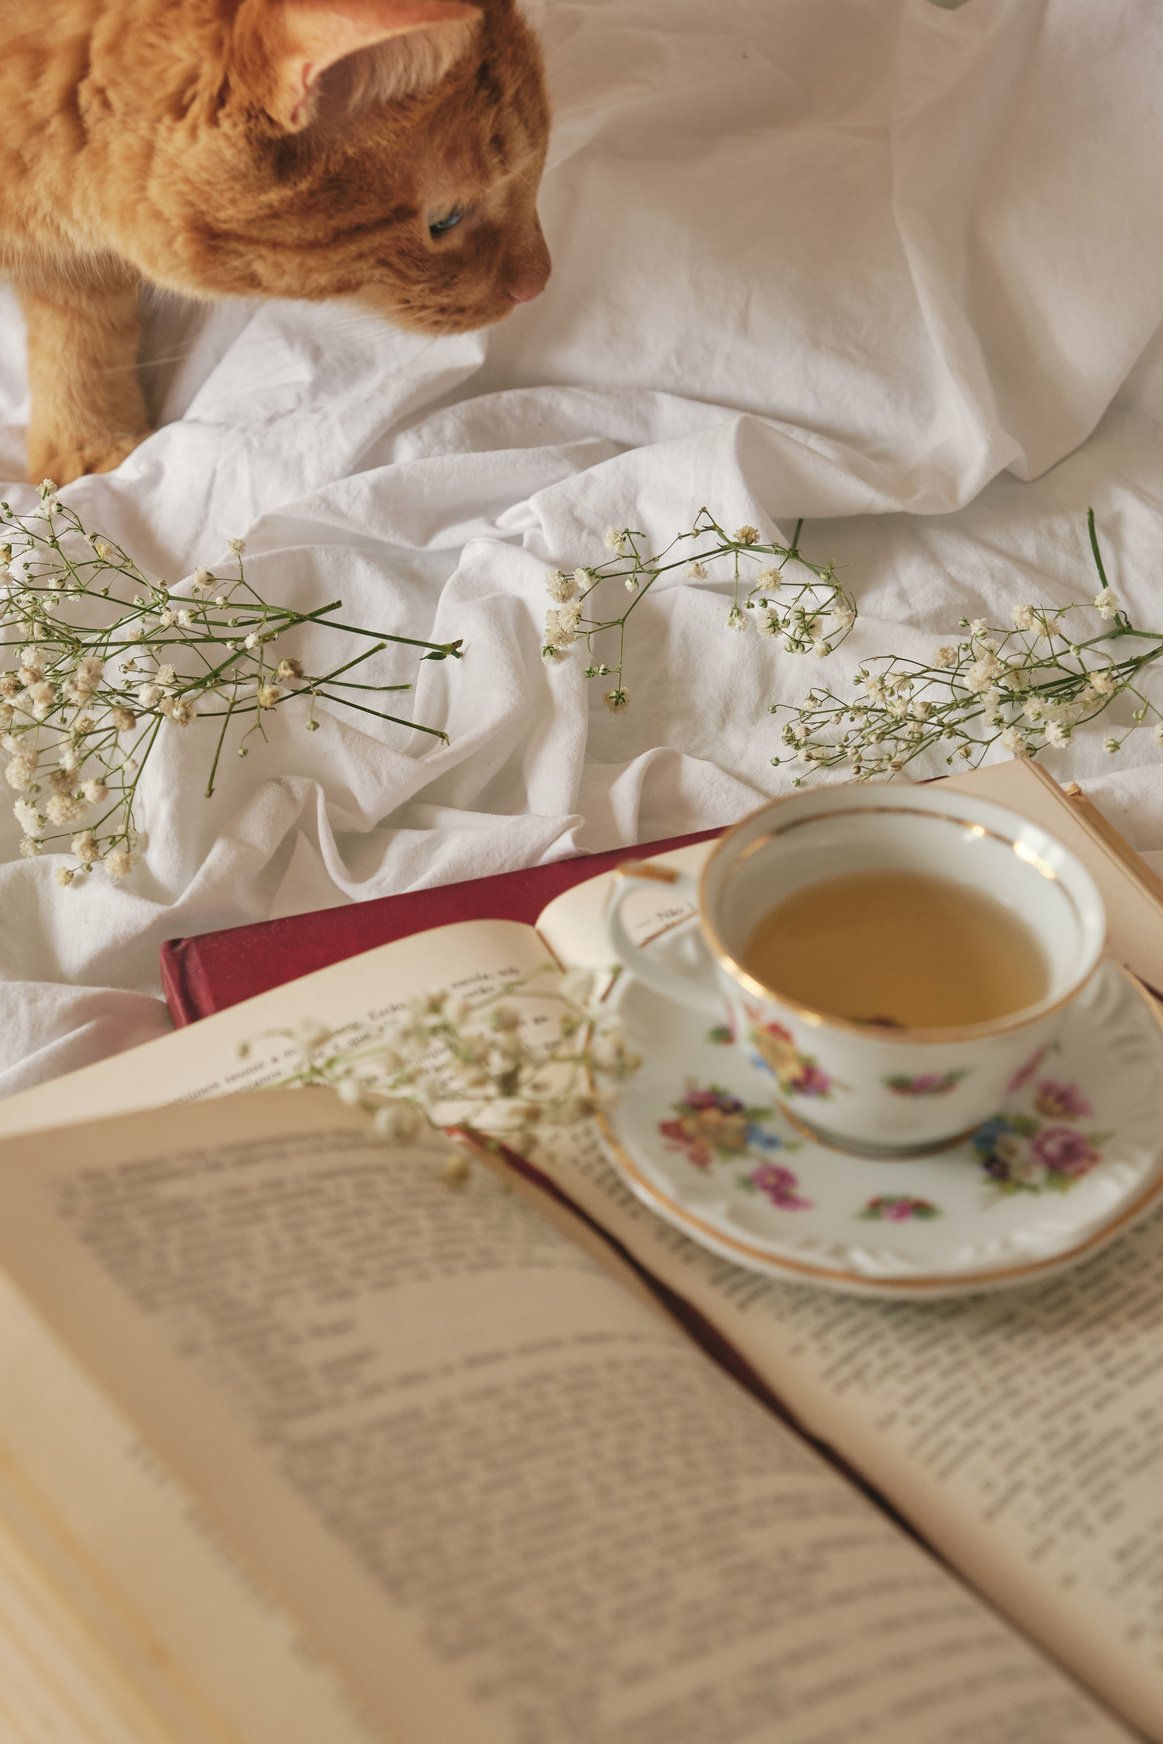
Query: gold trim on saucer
x=919, y=1283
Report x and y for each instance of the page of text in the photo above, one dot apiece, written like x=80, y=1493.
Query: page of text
x=498, y=1491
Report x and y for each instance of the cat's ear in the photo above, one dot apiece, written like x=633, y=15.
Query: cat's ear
x=417, y=41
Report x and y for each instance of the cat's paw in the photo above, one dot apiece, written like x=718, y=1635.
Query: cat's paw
x=63, y=461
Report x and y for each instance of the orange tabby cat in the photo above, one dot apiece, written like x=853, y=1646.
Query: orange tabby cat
x=383, y=150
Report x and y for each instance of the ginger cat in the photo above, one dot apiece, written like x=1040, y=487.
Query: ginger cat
x=387, y=151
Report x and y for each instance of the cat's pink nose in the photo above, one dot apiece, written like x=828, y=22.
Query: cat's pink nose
x=524, y=289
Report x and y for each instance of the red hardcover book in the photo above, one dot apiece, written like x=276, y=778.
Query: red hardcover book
x=209, y=971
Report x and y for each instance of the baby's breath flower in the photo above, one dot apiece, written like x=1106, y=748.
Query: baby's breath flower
x=979, y=676
x=747, y=534
x=94, y=791
x=238, y=546
x=28, y=817
x=559, y=586
x=289, y=669
x=618, y=699
x=118, y=863
x=1107, y=606
x=1025, y=618
x=21, y=770
x=203, y=578
x=735, y=619
x=64, y=875
x=614, y=539
x=64, y=808
x=697, y=571
x=1102, y=681
x=398, y=1121
x=251, y=641
x=268, y=695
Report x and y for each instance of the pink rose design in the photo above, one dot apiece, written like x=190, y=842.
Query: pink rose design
x=678, y=1137
x=1063, y=1151
x=779, y=1185
x=810, y=1081
x=896, y=1210
x=1061, y=1101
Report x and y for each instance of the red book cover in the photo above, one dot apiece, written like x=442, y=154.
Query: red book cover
x=210, y=971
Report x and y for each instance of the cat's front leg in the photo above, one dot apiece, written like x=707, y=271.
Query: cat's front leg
x=88, y=411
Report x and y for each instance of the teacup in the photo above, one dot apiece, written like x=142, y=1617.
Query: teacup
x=857, y=1085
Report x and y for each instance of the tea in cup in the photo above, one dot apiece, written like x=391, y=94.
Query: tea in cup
x=893, y=957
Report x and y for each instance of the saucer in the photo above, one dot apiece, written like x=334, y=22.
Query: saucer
x=1073, y=1157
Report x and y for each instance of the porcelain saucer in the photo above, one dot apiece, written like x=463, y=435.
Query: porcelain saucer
x=1071, y=1159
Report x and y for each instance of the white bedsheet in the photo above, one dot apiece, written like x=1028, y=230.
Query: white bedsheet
x=893, y=267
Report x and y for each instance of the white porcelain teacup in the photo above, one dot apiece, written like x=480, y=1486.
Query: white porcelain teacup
x=859, y=1086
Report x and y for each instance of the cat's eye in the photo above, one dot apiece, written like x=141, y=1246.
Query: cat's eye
x=447, y=221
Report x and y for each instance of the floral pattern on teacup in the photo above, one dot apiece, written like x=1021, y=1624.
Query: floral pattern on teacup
x=713, y=1124
x=926, y=1084
x=796, y=1073
x=897, y=1208
x=1061, y=1101
x=1021, y=1153
x=777, y=1183
x=1025, y=1072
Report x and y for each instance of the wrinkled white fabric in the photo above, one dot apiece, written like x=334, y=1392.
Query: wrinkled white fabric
x=893, y=267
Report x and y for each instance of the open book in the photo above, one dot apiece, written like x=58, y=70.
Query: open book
x=299, y=1445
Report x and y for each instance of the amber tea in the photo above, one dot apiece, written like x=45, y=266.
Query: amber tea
x=903, y=948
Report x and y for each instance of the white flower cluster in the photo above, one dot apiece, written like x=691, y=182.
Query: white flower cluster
x=509, y=1062
x=96, y=660
x=1022, y=688
x=773, y=587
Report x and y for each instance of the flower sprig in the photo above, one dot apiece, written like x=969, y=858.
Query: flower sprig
x=97, y=661
x=534, y=1052
x=797, y=603
x=1022, y=686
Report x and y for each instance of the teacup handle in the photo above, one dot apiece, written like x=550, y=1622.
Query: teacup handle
x=686, y=987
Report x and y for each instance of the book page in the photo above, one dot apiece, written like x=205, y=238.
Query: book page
x=352, y=998
x=1021, y=1433
x=501, y=1495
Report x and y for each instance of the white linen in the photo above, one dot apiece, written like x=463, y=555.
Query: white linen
x=894, y=267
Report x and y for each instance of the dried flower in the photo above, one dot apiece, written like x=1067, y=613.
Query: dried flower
x=995, y=686
x=99, y=659
x=818, y=615
x=512, y=1058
